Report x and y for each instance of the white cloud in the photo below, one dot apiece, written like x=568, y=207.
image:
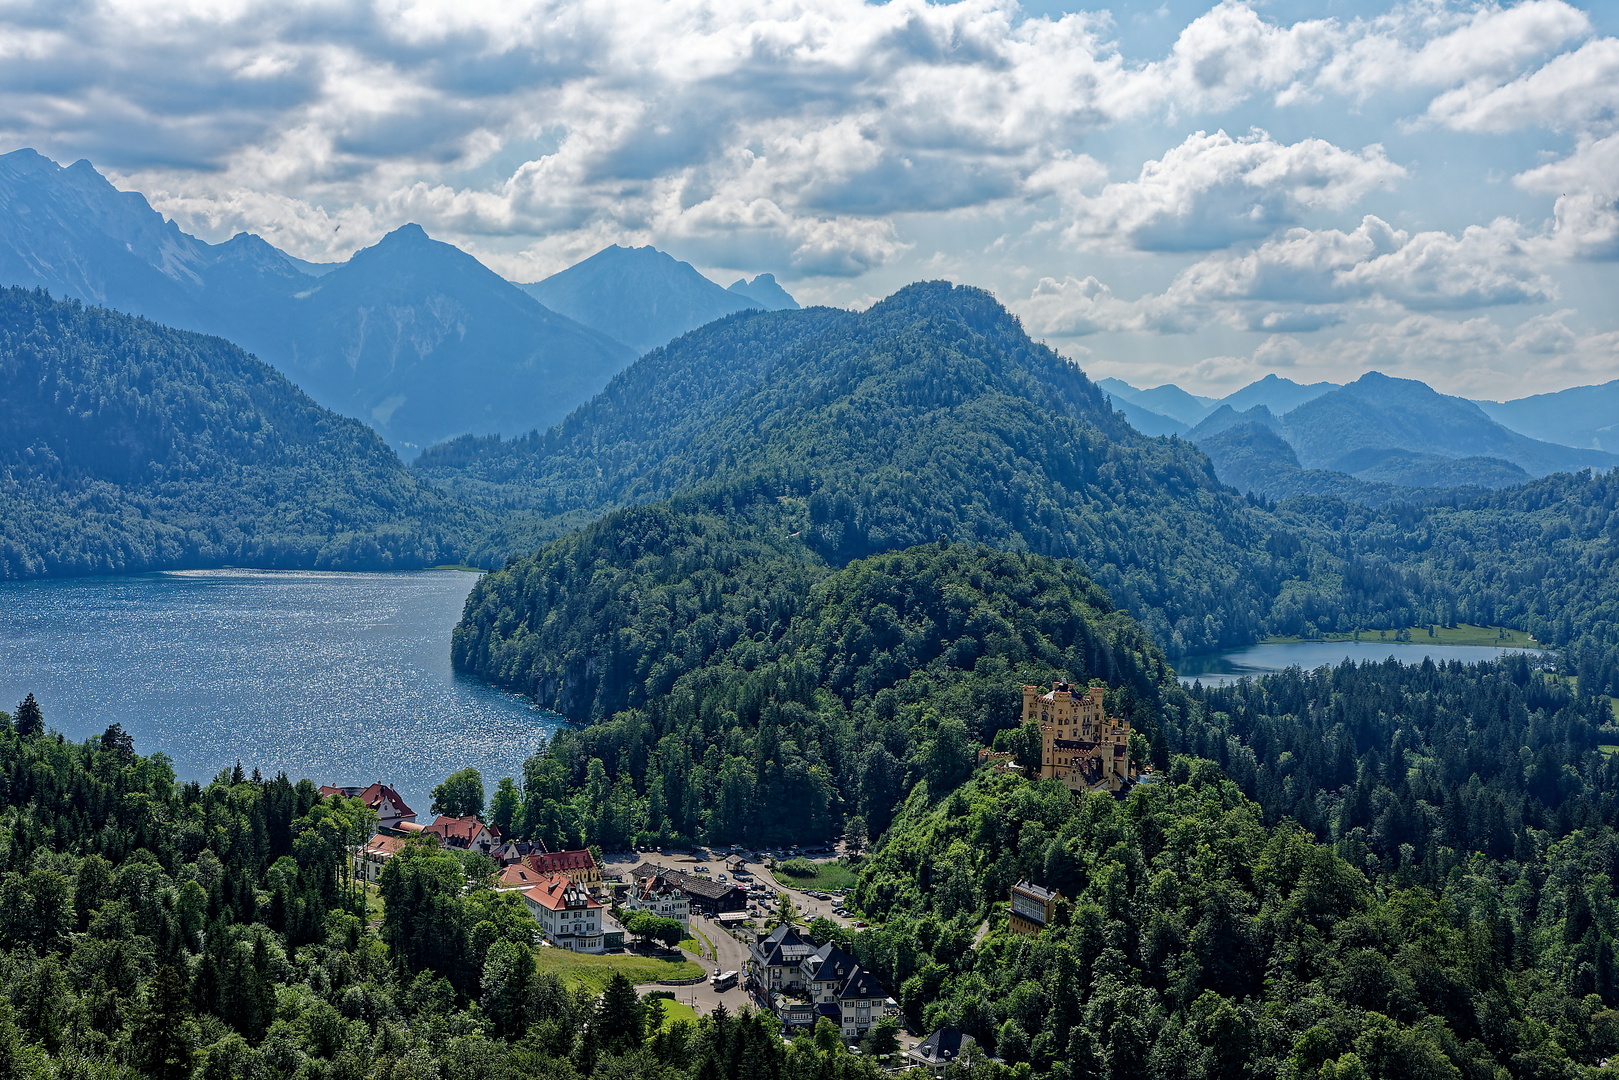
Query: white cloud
x=1307, y=279
x=795, y=130
x=1574, y=90
x=1432, y=44
x=1215, y=189
x=1586, y=184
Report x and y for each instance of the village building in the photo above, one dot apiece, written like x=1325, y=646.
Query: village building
x=710, y=898
x=516, y=851
x=1080, y=745
x=862, y=1002
x=939, y=1050
x=377, y=851
x=775, y=959
x=660, y=897
x=519, y=876
x=578, y=866
x=466, y=833
x=825, y=982
x=1032, y=909
x=390, y=809
x=569, y=917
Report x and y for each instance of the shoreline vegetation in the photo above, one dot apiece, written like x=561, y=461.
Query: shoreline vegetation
x=1431, y=634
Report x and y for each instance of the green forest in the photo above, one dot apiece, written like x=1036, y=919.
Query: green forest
x=128, y=446
x=152, y=928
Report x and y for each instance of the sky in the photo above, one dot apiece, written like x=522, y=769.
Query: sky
x=1172, y=191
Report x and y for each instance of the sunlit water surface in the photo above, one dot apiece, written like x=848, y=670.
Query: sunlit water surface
x=342, y=678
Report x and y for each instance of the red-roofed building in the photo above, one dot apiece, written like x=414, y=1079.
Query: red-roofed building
x=578, y=866
x=377, y=851
x=382, y=798
x=568, y=915
x=519, y=876
x=467, y=833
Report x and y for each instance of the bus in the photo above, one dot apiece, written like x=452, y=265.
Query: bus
x=722, y=981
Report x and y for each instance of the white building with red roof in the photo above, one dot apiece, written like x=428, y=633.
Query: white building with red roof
x=390, y=809
x=569, y=917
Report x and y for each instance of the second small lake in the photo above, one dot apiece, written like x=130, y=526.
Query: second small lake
x=1225, y=668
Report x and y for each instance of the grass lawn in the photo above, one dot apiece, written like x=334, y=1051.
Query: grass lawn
x=674, y=1011
x=691, y=944
x=1462, y=634
x=1609, y=749
x=828, y=876
x=585, y=969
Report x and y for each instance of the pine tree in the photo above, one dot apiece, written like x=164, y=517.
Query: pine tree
x=30, y=718
x=620, y=1018
x=162, y=1039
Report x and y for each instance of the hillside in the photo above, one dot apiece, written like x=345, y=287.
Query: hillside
x=128, y=446
x=1583, y=416
x=1380, y=413
x=767, y=707
x=415, y=338
x=643, y=297
x=930, y=415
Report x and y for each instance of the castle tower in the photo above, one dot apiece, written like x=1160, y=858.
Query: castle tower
x=1080, y=744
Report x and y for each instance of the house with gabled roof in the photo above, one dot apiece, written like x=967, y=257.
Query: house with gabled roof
x=467, y=833
x=775, y=959
x=940, y=1050
x=390, y=809
x=377, y=851
x=862, y=1002
x=569, y=917
x=518, y=876
x=579, y=865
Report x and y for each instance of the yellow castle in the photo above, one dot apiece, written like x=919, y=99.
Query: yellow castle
x=1080, y=745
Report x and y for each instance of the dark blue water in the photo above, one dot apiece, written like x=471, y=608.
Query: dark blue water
x=1225, y=668
x=342, y=678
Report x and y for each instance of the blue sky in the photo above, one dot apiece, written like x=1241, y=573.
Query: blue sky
x=1166, y=192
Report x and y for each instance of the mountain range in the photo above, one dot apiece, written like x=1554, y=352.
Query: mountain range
x=1374, y=439
x=415, y=337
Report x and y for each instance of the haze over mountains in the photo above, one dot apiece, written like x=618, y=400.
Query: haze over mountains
x=1367, y=441
x=643, y=297
x=415, y=337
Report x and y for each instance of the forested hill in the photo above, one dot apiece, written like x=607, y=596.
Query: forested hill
x=754, y=699
x=930, y=416
x=128, y=446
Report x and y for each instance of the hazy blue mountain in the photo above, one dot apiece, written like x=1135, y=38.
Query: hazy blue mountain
x=764, y=288
x=1583, y=416
x=1146, y=421
x=1226, y=417
x=1171, y=401
x=1377, y=412
x=415, y=337
x=1253, y=457
x=70, y=231
x=128, y=446
x=641, y=296
x=424, y=342
x=1408, y=468
x=1277, y=394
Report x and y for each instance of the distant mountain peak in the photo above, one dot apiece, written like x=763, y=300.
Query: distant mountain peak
x=641, y=296
x=766, y=291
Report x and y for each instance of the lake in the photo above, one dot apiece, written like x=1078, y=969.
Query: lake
x=343, y=678
x=1225, y=668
